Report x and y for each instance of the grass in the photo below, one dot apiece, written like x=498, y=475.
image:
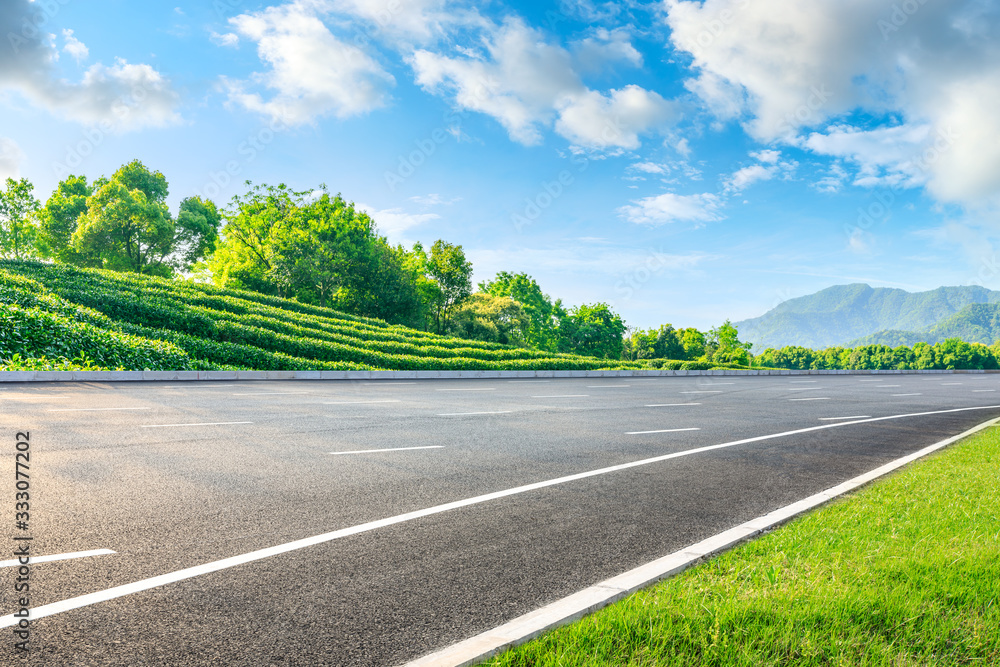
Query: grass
x=903, y=572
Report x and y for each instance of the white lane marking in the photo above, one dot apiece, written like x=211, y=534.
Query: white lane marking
x=884, y=386
x=702, y=392
x=203, y=386
x=669, y=405
x=225, y=563
x=470, y=389
x=30, y=398
x=665, y=430
x=828, y=419
x=918, y=394
x=978, y=391
x=202, y=424
x=524, y=381
x=871, y=380
x=719, y=384
x=564, y=396
x=950, y=383
x=50, y=559
x=359, y=402
x=802, y=388
x=397, y=449
x=460, y=414
x=379, y=384
x=811, y=398
x=802, y=381
x=277, y=393
x=475, y=650
x=606, y=386
x=93, y=409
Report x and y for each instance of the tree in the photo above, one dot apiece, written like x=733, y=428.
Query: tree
x=592, y=330
x=494, y=319
x=17, y=229
x=693, y=342
x=453, y=273
x=543, y=315
x=57, y=221
x=725, y=345
x=128, y=227
x=417, y=266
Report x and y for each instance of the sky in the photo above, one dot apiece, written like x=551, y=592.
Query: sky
x=685, y=162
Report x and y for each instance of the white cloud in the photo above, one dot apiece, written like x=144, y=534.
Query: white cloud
x=606, y=47
x=670, y=207
x=392, y=222
x=418, y=20
x=527, y=84
x=650, y=168
x=833, y=181
x=312, y=72
x=74, y=47
x=767, y=156
x=860, y=242
x=228, y=39
x=11, y=157
x=885, y=156
x=128, y=96
x=785, y=65
x=747, y=176
x=434, y=199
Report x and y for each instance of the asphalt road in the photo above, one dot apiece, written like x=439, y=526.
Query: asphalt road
x=177, y=475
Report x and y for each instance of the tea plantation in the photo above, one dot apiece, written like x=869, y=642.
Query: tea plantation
x=54, y=316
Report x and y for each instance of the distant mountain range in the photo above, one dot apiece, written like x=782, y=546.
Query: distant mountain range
x=857, y=314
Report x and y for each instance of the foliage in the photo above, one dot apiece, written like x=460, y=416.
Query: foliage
x=58, y=218
x=543, y=315
x=593, y=330
x=17, y=228
x=724, y=346
x=453, y=273
x=497, y=319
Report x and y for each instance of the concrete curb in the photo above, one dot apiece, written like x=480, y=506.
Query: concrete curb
x=192, y=376
x=574, y=607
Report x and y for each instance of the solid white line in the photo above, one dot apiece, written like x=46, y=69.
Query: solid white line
x=802, y=381
x=607, y=386
x=908, y=394
x=719, y=384
x=950, y=383
x=225, y=563
x=978, y=391
x=466, y=389
x=882, y=386
x=204, y=386
x=524, y=381
x=802, y=388
x=524, y=628
x=460, y=414
x=669, y=405
x=666, y=430
x=93, y=409
x=359, y=402
x=277, y=393
x=49, y=559
x=202, y=424
x=397, y=449
x=871, y=380
x=564, y=396
x=385, y=383
x=702, y=392
x=811, y=398
x=827, y=419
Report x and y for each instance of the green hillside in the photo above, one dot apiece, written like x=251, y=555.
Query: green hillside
x=56, y=316
x=844, y=313
x=976, y=323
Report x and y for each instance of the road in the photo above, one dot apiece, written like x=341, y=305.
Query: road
x=173, y=477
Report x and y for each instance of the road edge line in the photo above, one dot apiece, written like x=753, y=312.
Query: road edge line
x=572, y=608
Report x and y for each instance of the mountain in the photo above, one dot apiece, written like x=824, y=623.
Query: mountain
x=842, y=314
x=976, y=323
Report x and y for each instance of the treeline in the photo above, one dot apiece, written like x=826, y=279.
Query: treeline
x=950, y=354
x=310, y=246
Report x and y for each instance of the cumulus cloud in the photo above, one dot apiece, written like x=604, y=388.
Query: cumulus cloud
x=11, y=157
x=129, y=96
x=419, y=21
x=785, y=66
x=528, y=84
x=392, y=222
x=312, y=72
x=747, y=176
x=606, y=47
x=74, y=47
x=227, y=39
x=670, y=207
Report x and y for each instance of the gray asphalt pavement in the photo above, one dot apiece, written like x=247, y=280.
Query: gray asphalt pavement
x=176, y=475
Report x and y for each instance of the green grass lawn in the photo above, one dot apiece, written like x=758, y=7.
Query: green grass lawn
x=903, y=572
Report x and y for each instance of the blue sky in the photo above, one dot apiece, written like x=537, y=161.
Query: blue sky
x=686, y=162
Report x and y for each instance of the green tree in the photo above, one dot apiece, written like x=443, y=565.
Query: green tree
x=592, y=330
x=453, y=273
x=494, y=319
x=543, y=314
x=693, y=342
x=417, y=266
x=196, y=231
x=17, y=228
x=725, y=345
x=57, y=221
